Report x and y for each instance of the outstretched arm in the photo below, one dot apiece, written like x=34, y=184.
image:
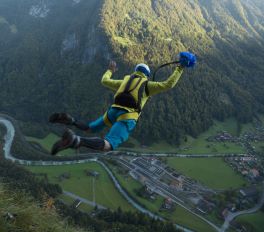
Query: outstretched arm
x=158, y=87
x=107, y=81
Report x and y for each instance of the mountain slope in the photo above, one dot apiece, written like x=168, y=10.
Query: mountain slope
x=53, y=55
x=226, y=35
x=20, y=213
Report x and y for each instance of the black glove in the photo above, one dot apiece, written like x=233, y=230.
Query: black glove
x=62, y=118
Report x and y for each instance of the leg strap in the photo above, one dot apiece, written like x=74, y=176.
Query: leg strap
x=92, y=143
x=106, y=120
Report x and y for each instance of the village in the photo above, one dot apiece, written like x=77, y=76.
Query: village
x=159, y=179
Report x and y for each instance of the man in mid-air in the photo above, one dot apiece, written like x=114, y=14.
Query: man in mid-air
x=131, y=95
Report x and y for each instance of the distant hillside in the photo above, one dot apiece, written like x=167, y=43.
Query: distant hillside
x=19, y=212
x=53, y=54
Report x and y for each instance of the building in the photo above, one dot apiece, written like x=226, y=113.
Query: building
x=254, y=172
x=168, y=204
x=249, y=192
x=204, y=206
x=225, y=213
x=92, y=173
x=177, y=183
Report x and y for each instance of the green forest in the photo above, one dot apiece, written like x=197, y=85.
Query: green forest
x=55, y=63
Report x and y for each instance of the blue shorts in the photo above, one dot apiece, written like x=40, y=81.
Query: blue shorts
x=119, y=132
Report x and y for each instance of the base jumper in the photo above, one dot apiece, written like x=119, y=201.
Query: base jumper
x=131, y=95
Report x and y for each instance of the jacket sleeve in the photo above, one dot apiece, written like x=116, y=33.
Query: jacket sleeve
x=158, y=87
x=110, y=83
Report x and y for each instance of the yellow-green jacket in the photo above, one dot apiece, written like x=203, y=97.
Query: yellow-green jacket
x=152, y=86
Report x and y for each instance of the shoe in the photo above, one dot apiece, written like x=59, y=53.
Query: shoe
x=62, y=118
x=69, y=140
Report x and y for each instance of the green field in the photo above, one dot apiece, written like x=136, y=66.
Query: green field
x=256, y=220
x=68, y=200
x=47, y=143
x=259, y=146
x=198, y=145
x=82, y=185
x=133, y=145
x=201, y=146
x=212, y=172
x=179, y=216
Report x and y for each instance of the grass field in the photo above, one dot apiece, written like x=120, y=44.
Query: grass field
x=179, y=216
x=161, y=146
x=256, y=220
x=212, y=172
x=47, y=143
x=82, y=185
x=198, y=145
x=259, y=146
x=201, y=146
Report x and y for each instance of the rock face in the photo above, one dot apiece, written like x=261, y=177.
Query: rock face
x=40, y=10
x=94, y=46
x=76, y=1
x=69, y=43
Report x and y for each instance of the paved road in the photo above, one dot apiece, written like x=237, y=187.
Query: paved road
x=9, y=137
x=131, y=153
x=231, y=216
x=7, y=154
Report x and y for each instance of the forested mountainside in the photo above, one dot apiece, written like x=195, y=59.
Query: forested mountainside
x=53, y=54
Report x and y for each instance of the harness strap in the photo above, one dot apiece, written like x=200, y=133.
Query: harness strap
x=128, y=116
x=106, y=120
x=141, y=90
x=125, y=116
x=130, y=82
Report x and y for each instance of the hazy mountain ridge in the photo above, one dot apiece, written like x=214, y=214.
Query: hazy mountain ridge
x=55, y=62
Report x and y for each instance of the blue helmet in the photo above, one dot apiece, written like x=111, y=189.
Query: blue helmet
x=143, y=68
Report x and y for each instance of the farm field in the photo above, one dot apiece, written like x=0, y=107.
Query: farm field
x=212, y=172
x=197, y=145
x=179, y=216
x=200, y=145
x=259, y=147
x=47, y=142
x=84, y=186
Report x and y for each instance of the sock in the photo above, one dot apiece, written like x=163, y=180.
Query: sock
x=92, y=143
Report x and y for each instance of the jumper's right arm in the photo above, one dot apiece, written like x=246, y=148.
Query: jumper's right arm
x=110, y=83
x=107, y=81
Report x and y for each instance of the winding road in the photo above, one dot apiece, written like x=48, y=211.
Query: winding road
x=9, y=137
x=231, y=216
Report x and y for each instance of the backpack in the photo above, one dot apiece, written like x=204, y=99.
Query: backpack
x=131, y=91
